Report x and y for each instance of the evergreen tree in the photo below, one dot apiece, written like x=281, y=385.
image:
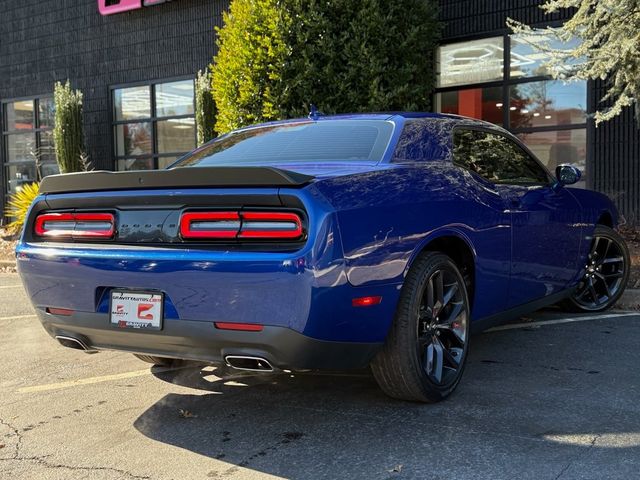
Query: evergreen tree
x=354, y=56
x=279, y=56
x=252, y=51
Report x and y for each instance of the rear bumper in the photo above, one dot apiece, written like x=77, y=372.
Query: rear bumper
x=305, y=291
x=283, y=347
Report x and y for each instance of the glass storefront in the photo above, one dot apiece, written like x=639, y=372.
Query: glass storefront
x=153, y=124
x=29, y=153
x=549, y=116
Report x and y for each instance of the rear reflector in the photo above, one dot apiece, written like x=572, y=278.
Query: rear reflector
x=241, y=225
x=366, y=301
x=75, y=225
x=65, y=312
x=245, y=327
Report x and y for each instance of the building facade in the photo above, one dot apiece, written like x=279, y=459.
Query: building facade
x=135, y=62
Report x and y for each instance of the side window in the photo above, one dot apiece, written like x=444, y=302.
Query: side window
x=496, y=158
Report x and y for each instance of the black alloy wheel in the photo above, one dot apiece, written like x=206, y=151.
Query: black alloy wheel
x=442, y=332
x=425, y=353
x=606, y=273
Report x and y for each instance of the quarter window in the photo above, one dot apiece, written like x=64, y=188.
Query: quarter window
x=496, y=158
x=503, y=80
x=153, y=124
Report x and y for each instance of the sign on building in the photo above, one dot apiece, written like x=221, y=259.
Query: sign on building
x=109, y=7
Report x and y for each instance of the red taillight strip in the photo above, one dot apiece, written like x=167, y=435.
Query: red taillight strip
x=43, y=221
x=249, y=218
x=245, y=225
x=188, y=219
x=244, y=327
x=65, y=312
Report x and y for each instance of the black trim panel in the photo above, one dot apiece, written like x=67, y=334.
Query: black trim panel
x=175, y=177
x=500, y=318
x=201, y=341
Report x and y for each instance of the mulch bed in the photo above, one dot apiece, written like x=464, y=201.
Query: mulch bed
x=632, y=236
x=7, y=249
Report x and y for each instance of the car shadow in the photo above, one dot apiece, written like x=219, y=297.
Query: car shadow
x=520, y=400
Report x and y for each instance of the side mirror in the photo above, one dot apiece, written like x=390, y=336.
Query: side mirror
x=568, y=174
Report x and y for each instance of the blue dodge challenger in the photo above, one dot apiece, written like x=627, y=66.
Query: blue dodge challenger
x=379, y=240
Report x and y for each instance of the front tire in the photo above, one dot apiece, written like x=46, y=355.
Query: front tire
x=426, y=350
x=606, y=273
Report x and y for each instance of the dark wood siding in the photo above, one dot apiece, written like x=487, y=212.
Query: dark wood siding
x=43, y=41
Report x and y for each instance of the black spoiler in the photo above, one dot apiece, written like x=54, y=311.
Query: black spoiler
x=174, y=178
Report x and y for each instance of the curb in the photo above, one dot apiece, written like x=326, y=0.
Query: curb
x=7, y=264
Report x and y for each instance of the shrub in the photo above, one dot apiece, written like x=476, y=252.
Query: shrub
x=251, y=53
x=278, y=57
x=67, y=129
x=360, y=55
x=19, y=204
x=205, y=108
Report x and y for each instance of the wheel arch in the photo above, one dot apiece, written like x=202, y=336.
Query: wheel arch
x=457, y=246
x=606, y=219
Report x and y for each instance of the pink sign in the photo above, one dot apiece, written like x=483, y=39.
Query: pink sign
x=109, y=7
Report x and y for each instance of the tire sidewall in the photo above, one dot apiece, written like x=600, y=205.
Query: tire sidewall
x=436, y=262
x=607, y=232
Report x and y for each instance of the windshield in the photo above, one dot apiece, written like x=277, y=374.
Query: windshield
x=324, y=141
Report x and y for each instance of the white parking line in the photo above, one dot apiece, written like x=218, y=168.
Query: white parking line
x=557, y=321
x=93, y=380
x=10, y=286
x=17, y=317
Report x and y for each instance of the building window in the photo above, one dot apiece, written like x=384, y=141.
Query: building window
x=153, y=124
x=477, y=61
x=29, y=153
x=482, y=103
x=550, y=116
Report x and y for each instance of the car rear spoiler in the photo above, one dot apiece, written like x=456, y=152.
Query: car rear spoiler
x=174, y=178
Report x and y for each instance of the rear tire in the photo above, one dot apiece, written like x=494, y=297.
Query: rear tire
x=426, y=350
x=158, y=361
x=606, y=274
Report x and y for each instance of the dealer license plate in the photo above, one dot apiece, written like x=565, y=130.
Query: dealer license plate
x=134, y=309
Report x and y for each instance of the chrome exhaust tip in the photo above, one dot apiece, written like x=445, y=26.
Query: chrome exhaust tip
x=249, y=364
x=75, y=343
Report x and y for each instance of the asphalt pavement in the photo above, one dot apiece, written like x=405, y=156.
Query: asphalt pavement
x=550, y=397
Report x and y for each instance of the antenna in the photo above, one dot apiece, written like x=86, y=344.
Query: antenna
x=314, y=114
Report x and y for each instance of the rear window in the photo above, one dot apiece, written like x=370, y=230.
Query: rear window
x=324, y=141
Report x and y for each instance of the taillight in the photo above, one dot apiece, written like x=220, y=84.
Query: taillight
x=270, y=225
x=75, y=225
x=241, y=225
x=209, y=225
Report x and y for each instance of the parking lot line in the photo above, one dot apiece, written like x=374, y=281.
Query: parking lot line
x=18, y=317
x=93, y=380
x=558, y=321
x=19, y=285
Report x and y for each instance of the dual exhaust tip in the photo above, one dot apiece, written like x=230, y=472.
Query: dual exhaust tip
x=239, y=362
x=250, y=364
x=75, y=343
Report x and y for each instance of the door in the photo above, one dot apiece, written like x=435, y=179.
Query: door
x=545, y=226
